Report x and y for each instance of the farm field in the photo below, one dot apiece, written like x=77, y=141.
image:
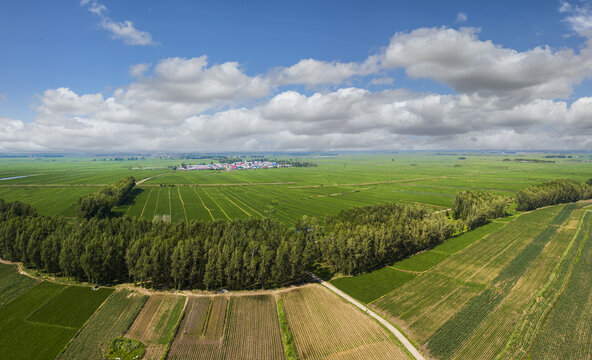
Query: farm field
x=39, y=323
x=13, y=284
x=567, y=331
x=111, y=321
x=155, y=326
x=326, y=327
x=373, y=285
x=236, y=327
x=339, y=182
x=491, y=291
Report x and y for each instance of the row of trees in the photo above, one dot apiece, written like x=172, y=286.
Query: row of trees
x=243, y=254
x=553, y=192
x=365, y=238
x=475, y=207
x=100, y=203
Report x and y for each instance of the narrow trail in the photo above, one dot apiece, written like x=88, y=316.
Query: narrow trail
x=416, y=354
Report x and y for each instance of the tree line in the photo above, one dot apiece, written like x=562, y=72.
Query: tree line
x=475, y=207
x=242, y=254
x=553, y=192
x=100, y=203
x=366, y=238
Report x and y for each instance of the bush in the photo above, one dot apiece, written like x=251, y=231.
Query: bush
x=126, y=349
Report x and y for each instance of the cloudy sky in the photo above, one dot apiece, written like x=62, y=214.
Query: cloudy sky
x=148, y=75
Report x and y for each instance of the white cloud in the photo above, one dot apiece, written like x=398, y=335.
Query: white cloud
x=503, y=99
x=126, y=32
x=461, y=17
x=459, y=59
x=139, y=70
x=119, y=30
x=382, y=81
x=579, y=17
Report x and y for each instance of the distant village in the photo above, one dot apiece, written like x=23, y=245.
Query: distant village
x=241, y=165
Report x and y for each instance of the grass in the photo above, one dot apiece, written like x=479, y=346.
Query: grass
x=288, y=340
x=370, y=286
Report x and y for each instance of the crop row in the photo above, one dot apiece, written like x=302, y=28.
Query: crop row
x=567, y=331
x=425, y=303
x=155, y=325
x=324, y=326
x=450, y=336
x=110, y=321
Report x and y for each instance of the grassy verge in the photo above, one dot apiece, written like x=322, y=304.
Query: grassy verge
x=289, y=348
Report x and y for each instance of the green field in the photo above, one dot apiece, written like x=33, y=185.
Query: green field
x=12, y=284
x=516, y=287
x=338, y=182
x=111, y=321
x=371, y=286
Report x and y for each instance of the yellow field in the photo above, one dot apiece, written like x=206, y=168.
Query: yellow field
x=236, y=327
x=326, y=327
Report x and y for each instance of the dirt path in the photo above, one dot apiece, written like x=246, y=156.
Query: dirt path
x=152, y=177
x=416, y=354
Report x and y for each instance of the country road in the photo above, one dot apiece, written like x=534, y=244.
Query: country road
x=380, y=319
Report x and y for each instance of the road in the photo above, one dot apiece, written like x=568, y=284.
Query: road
x=379, y=318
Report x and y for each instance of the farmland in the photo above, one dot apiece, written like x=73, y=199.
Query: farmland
x=237, y=327
x=324, y=326
x=338, y=182
x=111, y=321
x=490, y=294
x=156, y=323
x=516, y=287
x=39, y=323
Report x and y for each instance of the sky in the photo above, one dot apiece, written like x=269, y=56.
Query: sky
x=312, y=75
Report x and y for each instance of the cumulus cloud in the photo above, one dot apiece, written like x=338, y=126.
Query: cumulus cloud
x=461, y=17
x=176, y=88
x=119, y=30
x=469, y=65
x=502, y=98
x=314, y=72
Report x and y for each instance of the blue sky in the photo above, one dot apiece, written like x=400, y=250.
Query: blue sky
x=84, y=47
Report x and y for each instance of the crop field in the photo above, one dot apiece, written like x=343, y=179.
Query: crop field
x=512, y=290
x=373, y=285
x=326, y=327
x=111, y=321
x=155, y=326
x=13, y=284
x=339, y=182
x=39, y=323
x=425, y=303
x=237, y=327
x=567, y=331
